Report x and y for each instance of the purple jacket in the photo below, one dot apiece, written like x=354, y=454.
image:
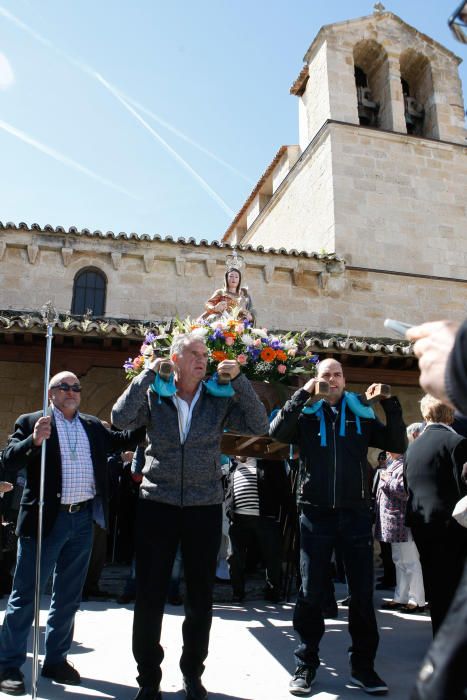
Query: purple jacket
x=391, y=503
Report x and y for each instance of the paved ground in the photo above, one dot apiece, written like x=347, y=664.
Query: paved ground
x=250, y=657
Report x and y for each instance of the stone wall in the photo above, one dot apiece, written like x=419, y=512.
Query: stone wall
x=289, y=292
x=399, y=202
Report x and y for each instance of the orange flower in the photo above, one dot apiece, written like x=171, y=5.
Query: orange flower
x=281, y=355
x=229, y=334
x=268, y=354
x=219, y=355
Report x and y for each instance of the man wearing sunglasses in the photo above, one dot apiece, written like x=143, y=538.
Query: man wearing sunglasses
x=75, y=494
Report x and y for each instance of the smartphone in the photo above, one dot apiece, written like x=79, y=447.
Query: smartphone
x=397, y=326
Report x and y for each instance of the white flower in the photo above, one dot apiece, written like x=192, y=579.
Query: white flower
x=260, y=332
x=247, y=339
x=202, y=331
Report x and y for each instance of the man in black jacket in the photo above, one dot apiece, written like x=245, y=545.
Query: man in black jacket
x=75, y=494
x=333, y=437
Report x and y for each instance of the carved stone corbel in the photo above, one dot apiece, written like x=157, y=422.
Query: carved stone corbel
x=297, y=274
x=180, y=264
x=33, y=251
x=116, y=260
x=268, y=272
x=149, y=260
x=67, y=253
x=211, y=266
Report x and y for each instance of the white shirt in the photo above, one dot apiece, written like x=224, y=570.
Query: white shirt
x=185, y=413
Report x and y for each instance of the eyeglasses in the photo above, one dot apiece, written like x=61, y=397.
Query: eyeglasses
x=67, y=387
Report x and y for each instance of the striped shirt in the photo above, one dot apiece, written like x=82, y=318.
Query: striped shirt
x=245, y=488
x=77, y=470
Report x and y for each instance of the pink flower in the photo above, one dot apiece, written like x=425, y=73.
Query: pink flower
x=281, y=369
x=242, y=359
x=257, y=343
x=229, y=340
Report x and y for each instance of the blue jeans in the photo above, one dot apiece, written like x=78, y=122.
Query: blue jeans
x=320, y=530
x=65, y=552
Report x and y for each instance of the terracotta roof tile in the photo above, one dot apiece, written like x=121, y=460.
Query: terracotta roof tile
x=17, y=322
x=203, y=243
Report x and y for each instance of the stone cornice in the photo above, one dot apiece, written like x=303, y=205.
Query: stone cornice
x=149, y=248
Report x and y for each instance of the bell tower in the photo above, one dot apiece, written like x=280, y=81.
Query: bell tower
x=381, y=170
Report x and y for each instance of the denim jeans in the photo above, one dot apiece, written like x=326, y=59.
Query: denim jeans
x=160, y=528
x=65, y=553
x=320, y=530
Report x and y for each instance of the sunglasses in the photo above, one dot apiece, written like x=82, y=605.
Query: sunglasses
x=67, y=387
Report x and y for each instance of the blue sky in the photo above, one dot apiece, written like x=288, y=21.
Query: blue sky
x=212, y=76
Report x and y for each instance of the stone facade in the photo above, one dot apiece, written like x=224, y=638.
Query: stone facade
x=355, y=224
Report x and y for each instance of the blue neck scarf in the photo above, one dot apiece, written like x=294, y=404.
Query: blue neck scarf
x=354, y=404
x=215, y=389
x=163, y=387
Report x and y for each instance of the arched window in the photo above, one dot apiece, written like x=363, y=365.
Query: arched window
x=371, y=83
x=417, y=88
x=89, y=292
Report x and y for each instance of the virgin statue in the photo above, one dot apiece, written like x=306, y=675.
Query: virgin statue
x=231, y=300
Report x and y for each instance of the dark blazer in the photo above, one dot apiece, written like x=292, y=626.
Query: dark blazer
x=433, y=467
x=21, y=452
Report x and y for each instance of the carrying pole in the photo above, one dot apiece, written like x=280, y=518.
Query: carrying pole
x=50, y=317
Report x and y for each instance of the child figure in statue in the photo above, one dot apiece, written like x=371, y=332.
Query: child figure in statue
x=232, y=299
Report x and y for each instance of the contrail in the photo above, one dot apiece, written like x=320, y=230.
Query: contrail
x=52, y=153
x=127, y=102
x=184, y=137
x=159, y=138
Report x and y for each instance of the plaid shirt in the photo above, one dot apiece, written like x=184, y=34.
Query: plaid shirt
x=77, y=470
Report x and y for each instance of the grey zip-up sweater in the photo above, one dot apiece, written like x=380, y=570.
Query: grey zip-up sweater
x=188, y=474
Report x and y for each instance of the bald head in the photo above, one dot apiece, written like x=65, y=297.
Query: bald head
x=66, y=376
x=64, y=393
x=331, y=371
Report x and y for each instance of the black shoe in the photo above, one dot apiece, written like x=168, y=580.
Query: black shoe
x=302, y=680
x=12, y=682
x=369, y=681
x=193, y=688
x=345, y=602
x=148, y=694
x=126, y=598
x=63, y=672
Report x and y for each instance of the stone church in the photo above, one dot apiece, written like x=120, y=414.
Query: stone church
x=363, y=219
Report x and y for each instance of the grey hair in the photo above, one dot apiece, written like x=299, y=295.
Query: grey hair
x=413, y=431
x=182, y=340
x=436, y=411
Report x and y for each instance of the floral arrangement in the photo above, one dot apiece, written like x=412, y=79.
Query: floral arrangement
x=262, y=356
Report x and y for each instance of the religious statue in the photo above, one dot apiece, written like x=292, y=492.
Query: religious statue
x=231, y=300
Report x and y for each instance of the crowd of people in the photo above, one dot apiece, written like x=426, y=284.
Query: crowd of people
x=168, y=449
